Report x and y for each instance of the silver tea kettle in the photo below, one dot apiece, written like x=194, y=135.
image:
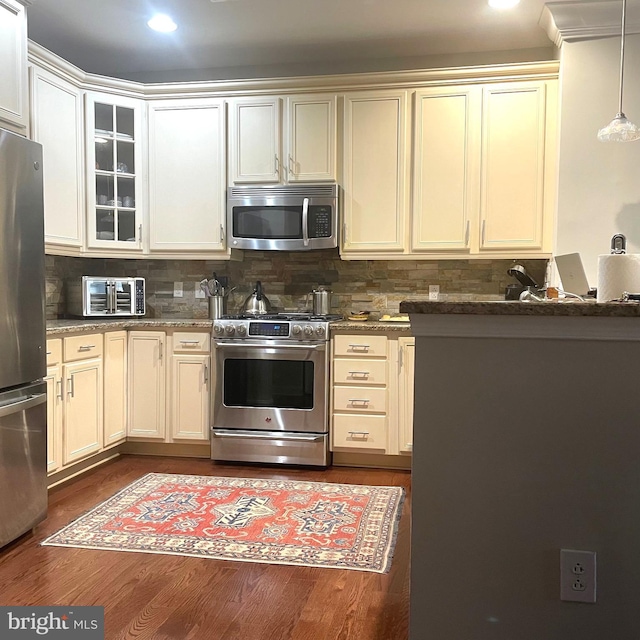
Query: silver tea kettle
x=256, y=304
x=321, y=298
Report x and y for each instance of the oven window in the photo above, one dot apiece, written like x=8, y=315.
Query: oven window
x=268, y=223
x=280, y=384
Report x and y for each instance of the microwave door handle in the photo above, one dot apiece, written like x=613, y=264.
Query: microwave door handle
x=305, y=222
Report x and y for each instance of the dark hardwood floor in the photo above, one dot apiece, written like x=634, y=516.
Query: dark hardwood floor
x=180, y=598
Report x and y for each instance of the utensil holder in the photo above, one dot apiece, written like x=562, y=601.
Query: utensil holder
x=217, y=307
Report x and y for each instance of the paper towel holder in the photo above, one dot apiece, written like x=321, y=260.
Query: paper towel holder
x=619, y=244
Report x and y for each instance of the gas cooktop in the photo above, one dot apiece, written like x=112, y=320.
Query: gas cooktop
x=284, y=316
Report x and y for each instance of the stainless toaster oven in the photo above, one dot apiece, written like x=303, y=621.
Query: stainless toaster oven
x=94, y=296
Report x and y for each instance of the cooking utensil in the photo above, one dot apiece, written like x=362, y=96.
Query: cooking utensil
x=256, y=303
x=204, y=286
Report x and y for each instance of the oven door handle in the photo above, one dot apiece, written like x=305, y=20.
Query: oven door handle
x=270, y=345
x=264, y=436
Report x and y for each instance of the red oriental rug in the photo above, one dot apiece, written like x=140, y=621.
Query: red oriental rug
x=312, y=524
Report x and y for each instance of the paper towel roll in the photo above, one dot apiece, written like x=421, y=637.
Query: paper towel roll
x=617, y=273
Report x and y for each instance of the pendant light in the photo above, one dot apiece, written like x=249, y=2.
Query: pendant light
x=620, y=129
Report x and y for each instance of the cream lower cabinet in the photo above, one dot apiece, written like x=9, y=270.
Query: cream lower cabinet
x=54, y=404
x=359, y=394
x=83, y=397
x=169, y=402
x=372, y=393
x=115, y=387
x=147, y=384
x=189, y=383
x=406, y=369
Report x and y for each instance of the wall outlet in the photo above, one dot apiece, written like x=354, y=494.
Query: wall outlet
x=199, y=291
x=177, y=289
x=577, y=575
x=434, y=291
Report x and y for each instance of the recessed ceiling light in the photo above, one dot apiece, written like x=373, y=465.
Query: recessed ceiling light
x=503, y=4
x=163, y=23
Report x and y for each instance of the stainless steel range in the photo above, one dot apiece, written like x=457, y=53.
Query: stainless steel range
x=271, y=397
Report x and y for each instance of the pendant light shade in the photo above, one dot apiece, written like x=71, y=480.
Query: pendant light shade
x=620, y=129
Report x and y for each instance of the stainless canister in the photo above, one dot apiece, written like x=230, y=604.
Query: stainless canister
x=217, y=307
x=321, y=301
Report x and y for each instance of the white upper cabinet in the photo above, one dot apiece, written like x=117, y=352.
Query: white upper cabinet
x=310, y=143
x=446, y=136
x=254, y=140
x=514, y=128
x=14, y=99
x=115, y=194
x=56, y=123
x=262, y=150
x=375, y=169
x=187, y=176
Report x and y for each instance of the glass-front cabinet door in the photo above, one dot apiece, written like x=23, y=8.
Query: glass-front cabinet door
x=114, y=190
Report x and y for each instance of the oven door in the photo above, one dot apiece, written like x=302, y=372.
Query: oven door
x=271, y=386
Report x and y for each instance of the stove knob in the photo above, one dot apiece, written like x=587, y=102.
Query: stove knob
x=320, y=331
x=230, y=330
x=219, y=329
x=296, y=330
x=242, y=330
x=308, y=330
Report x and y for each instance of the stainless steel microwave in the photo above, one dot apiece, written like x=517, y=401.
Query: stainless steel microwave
x=94, y=296
x=292, y=217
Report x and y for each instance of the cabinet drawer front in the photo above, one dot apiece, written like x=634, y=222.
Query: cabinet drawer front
x=88, y=345
x=360, y=399
x=183, y=341
x=54, y=351
x=363, y=346
x=360, y=371
x=360, y=432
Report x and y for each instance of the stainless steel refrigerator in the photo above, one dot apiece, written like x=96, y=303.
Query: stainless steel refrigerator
x=23, y=399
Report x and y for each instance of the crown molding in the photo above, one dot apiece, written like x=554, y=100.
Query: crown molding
x=300, y=84
x=571, y=21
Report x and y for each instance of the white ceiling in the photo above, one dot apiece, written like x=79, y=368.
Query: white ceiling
x=110, y=37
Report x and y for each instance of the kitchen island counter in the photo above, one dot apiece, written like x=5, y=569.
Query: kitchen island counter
x=526, y=435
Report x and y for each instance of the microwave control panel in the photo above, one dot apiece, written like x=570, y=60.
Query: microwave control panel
x=140, y=297
x=320, y=221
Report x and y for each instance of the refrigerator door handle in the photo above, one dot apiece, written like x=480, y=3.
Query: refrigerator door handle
x=22, y=405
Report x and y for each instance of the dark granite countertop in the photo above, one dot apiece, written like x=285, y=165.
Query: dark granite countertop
x=516, y=308
x=57, y=327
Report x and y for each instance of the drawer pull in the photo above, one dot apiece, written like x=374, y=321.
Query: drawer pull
x=360, y=347
x=358, y=434
x=359, y=374
x=86, y=347
x=359, y=401
x=192, y=342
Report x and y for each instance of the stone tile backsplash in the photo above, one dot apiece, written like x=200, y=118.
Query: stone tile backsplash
x=287, y=277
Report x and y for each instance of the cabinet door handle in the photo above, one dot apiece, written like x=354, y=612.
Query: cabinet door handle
x=59, y=385
x=277, y=167
x=86, y=347
x=70, y=386
x=160, y=350
x=358, y=434
x=359, y=374
x=483, y=228
x=359, y=347
x=344, y=234
x=400, y=357
x=206, y=374
x=466, y=235
x=140, y=234
x=48, y=353
x=221, y=233
x=292, y=166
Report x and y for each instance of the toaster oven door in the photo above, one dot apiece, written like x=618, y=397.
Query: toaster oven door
x=104, y=297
